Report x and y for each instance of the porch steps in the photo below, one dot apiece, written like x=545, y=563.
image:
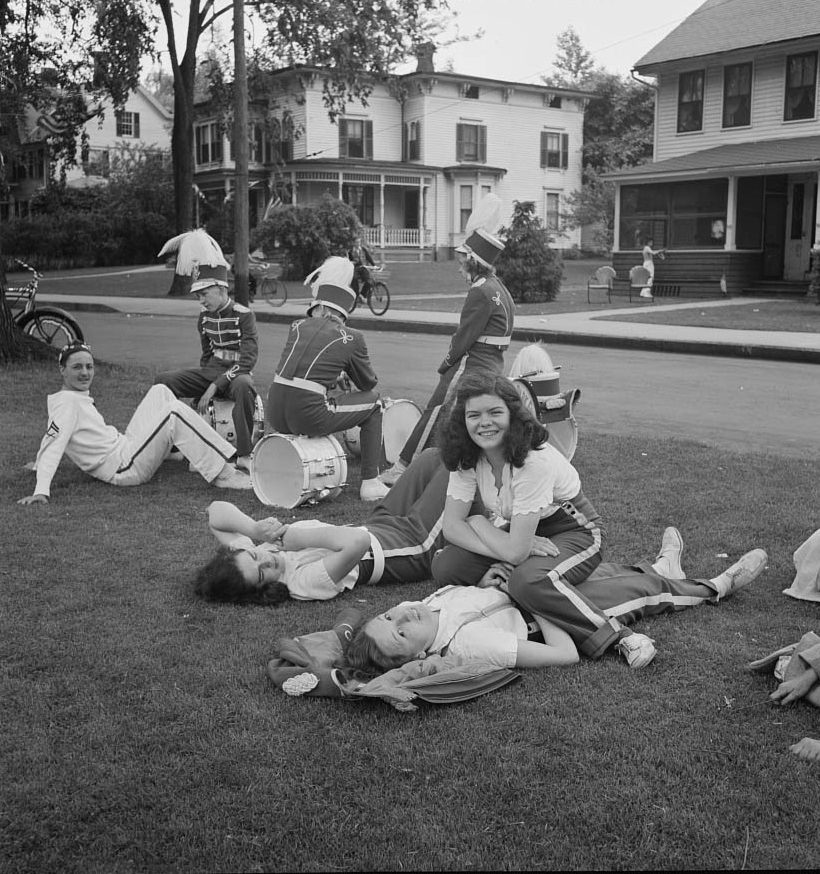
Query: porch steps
x=777, y=288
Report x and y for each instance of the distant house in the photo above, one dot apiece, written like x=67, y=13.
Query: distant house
x=142, y=127
x=732, y=189
x=413, y=161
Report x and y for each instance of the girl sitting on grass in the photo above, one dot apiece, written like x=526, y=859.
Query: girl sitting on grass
x=76, y=429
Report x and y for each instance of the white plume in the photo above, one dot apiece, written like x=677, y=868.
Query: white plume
x=193, y=248
x=334, y=270
x=486, y=216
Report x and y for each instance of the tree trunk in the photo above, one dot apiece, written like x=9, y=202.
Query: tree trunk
x=240, y=143
x=12, y=346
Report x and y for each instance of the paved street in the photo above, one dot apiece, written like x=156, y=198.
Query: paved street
x=733, y=403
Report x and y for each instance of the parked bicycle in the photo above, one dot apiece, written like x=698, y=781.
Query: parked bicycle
x=264, y=279
x=49, y=324
x=372, y=290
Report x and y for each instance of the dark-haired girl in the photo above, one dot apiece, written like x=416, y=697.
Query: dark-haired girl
x=538, y=522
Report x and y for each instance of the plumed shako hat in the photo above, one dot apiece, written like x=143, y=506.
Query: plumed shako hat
x=480, y=240
x=198, y=256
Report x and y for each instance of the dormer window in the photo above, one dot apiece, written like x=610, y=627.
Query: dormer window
x=470, y=92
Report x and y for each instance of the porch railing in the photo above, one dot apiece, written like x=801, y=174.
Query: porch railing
x=392, y=237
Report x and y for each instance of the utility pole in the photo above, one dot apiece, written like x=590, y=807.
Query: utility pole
x=240, y=146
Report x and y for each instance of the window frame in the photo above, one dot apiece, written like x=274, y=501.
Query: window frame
x=690, y=77
x=727, y=120
x=465, y=209
x=365, y=138
x=214, y=144
x=554, y=158
x=556, y=228
x=809, y=92
x=478, y=154
x=127, y=123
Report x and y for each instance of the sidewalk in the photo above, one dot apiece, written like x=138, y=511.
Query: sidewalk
x=581, y=328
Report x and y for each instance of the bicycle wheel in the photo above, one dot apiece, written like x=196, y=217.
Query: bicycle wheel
x=378, y=298
x=51, y=326
x=274, y=291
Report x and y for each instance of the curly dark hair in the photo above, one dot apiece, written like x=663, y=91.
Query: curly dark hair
x=221, y=580
x=458, y=451
x=363, y=655
x=475, y=269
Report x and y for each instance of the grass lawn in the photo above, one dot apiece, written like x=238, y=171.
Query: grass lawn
x=141, y=731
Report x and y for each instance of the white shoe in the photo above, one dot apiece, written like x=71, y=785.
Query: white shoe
x=233, y=479
x=391, y=476
x=243, y=462
x=373, y=490
x=740, y=574
x=637, y=649
x=667, y=561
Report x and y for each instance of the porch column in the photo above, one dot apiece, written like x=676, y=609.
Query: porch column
x=731, y=210
x=341, y=184
x=817, y=217
x=420, y=222
x=381, y=213
x=616, y=228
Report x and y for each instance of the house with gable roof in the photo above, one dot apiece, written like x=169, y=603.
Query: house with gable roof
x=731, y=192
x=413, y=160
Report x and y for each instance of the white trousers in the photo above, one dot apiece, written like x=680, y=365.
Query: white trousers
x=160, y=422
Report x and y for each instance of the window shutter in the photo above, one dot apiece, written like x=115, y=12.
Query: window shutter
x=459, y=142
x=405, y=150
x=543, y=148
x=368, y=139
x=482, y=143
x=136, y=124
x=418, y=140
x=564, y=151
x=343, y=138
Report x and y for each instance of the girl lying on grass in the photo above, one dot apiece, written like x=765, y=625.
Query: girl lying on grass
x=496, y=451
x=160, y=422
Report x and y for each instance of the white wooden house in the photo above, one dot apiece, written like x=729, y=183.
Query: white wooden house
x=142, y=126
x=413, y=161
x=731, y=192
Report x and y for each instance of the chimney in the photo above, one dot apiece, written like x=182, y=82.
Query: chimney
x=424, y=57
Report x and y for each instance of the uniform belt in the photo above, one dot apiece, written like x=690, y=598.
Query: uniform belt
x=226, y=354
x=494, y=341
x=534, y=632
x=299, y=382
x=372, y=562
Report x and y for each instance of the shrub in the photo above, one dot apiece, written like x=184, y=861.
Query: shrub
x=529, y=268
x=306, y=235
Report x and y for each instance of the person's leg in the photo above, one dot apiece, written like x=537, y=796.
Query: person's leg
x=189, y=383
x=160, y=422
x=243, y=394
x=422, y=433
x=454, y=566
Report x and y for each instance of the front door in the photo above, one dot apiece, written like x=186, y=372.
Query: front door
x=798, y=231
x=774, y=234
x=411, y=208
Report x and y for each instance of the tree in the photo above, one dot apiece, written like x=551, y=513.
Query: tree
x=46, y=68
x=573, y=64
x=527, y=266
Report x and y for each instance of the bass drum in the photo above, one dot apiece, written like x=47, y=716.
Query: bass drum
x=289, y=470
x=398, y=420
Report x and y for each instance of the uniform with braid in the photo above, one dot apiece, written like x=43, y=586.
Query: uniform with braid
x=318, y=349
x=483, y=335
x=230, y=348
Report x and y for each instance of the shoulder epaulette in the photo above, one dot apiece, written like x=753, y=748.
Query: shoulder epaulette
x=241, y=308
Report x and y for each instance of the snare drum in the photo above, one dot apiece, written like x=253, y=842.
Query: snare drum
x=220, y=418
x=398, y=420
x=289, y=470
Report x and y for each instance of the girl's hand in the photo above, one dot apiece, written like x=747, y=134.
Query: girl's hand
x=543, y=546
x=791, y=690
x=30, y=465
x=202, y=406
x=33, y=499
x=497, y=574
x=269, y=530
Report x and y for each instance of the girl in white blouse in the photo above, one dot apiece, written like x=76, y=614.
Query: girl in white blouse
x=538, y=520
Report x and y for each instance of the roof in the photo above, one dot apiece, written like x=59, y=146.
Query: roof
x=775, y=156
x=727, y=25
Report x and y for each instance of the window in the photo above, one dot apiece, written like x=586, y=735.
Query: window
x=551, y=213
x=30, y=165
x=355, y=139
x=208, y=143
x=465, y=206
x=413, y=145
x=683, y=215
x=801, y=86
x=554, y=101
x=279, y=141
x=554, y=149
x=737, y=95
x=360, y=199
x=128, y=123
x=690, y=102
x=470, y=92
x=95, y=161
x=471, y=142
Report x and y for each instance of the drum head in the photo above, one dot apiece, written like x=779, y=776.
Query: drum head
x=277, y=471
x=400, y=417
x=527, y=395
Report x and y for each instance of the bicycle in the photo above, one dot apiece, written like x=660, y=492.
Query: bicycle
x=372, y=291
x=263, y=276
x=49, y=324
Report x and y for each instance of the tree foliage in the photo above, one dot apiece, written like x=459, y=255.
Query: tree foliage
x=573, y=64
x=306, y=235
x=529, y=268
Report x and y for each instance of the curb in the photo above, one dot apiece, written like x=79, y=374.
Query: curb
x=759, y=351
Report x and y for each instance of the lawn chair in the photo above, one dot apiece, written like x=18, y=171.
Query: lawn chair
x=639, y=278
x=601, y=280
